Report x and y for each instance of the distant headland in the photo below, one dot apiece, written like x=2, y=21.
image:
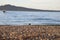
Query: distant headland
x=16, y=8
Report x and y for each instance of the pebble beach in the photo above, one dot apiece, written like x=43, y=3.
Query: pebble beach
x=29, y=32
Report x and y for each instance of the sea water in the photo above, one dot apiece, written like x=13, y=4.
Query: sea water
x=26, y=17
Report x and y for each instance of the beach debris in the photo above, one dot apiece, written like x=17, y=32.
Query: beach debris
x=4, y=11
x=29, y=23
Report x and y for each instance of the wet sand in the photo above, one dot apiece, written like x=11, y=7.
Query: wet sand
x=30, y=32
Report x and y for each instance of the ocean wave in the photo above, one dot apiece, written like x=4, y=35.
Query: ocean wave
x=48, y=19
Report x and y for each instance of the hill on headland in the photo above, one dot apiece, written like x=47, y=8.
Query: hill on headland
x=16, y=8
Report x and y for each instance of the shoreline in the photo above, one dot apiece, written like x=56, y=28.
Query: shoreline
x=30, y=25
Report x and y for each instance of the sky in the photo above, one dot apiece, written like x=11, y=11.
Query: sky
x=37, y=4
